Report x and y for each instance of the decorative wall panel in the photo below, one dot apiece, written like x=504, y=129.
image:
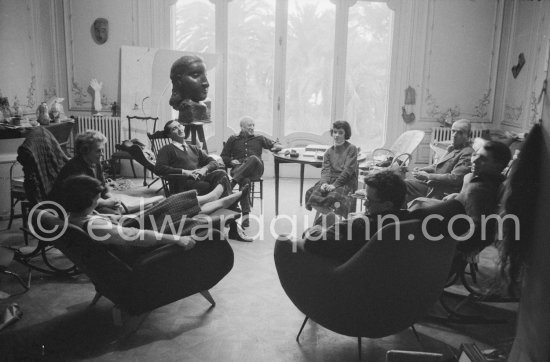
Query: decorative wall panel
x=86, y=59
x=460, y=59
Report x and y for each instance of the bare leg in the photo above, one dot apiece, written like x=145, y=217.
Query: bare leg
x=211, y=196
x=221, y=203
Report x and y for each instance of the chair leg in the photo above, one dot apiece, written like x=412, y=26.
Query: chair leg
x=133, y=170
x=301, y=329
x=359, y=347
x=261, y=195
x=17, y=277
x=206, y=294
x=12, y=212
x=115, y=162
x=251, y=192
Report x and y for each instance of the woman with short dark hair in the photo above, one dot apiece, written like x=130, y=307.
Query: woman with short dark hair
x=338, y=175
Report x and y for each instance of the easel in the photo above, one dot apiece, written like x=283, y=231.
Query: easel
x=196, y=129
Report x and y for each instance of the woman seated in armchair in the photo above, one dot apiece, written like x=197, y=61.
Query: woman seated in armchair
x=170, y=222
x=338, y=175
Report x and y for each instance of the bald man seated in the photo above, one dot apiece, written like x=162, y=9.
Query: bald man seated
x=445, y=176
x=243, y=154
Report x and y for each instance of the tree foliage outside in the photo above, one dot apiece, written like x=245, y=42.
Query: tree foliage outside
x=309, y=62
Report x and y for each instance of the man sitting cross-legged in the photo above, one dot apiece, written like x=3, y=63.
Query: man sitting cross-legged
x=196, y=170
x=243, y=153
x=445, y=176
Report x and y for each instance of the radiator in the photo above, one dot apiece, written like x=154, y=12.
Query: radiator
x=109, y=126
x=440, y=134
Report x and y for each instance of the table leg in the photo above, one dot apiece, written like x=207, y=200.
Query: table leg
x=302, y=166
x=276, y=187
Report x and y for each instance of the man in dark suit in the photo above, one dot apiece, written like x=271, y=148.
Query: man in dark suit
x=446, y=175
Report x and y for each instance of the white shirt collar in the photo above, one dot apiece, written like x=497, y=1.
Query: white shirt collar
x=181, y=146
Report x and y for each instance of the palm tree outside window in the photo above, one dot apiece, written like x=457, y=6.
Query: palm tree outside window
x=282, y=65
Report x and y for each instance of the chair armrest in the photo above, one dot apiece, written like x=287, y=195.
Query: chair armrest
x=311, y=291
x=382, y=150
x=405, y=158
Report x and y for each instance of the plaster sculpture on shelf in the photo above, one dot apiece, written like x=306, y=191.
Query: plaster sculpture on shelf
x=42, y=115
x=100, y=30
x=57, y=112
x=96, y=86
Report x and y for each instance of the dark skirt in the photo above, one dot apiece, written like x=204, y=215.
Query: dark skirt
x=337, y=201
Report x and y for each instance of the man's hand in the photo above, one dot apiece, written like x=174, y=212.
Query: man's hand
x=187, y=173
x=421, y=175
x=327, y=187
x=199, y=173
x=235, y=163
x=186, y=242
x=450, y=196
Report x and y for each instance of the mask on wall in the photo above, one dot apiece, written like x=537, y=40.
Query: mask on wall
x=100, y=30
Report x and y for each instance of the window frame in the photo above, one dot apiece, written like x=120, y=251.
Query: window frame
x=222, y=130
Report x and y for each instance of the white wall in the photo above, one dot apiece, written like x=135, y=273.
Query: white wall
x=449, y=51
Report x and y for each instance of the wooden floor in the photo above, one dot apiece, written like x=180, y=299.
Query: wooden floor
x=253, y=320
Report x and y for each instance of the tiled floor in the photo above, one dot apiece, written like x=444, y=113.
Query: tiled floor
x=252, y=321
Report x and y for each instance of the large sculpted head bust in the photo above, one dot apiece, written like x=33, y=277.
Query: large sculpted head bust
x=189, y=89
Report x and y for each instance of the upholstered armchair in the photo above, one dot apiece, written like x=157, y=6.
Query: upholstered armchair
x=139, y=284
x=384, y=288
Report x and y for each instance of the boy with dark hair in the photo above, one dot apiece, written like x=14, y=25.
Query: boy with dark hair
x=385, y=193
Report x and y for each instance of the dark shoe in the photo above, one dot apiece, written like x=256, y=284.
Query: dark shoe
x=236, y=233
x=245, y=221
x=235, y=207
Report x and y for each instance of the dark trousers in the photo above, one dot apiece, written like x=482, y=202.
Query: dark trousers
x=416, y=188
x=205, y=184
x=251, y=169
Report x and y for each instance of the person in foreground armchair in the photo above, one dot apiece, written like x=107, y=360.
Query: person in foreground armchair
x=385, y=193
x=175, y=220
